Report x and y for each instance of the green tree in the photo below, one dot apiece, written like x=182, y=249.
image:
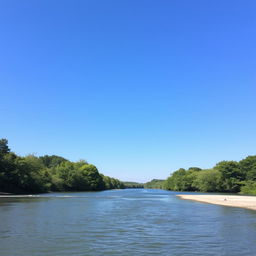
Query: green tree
x=93, y=176
x=4, y=149
x=208, y=181
x=231, y=175
x=191, y=176
x=248, y=188
x=155, y=183
x=51, y=161
x=48, y=173
x=176, y=181
x=248, y=168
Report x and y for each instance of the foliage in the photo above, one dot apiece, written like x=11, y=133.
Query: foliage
x=208, y=180
x=231, y=175
x=248, y=167
x=155, y=183
x=226, y=176
x=4, y=149
x=51, y=161
x=131, y=184
x=182, y=180
x=248, y=188
x=49, y=173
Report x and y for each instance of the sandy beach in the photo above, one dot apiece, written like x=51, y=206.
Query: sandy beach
x=248, y=202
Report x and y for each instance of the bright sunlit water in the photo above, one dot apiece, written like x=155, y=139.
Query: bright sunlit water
x=123, y=222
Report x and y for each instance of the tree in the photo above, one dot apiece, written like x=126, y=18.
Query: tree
x=231, y=175
x=33, y=174
x=248, y=168
x=51, y=161
x=248, y=188
x=155, y=183
x=177, y=181
x=4, y=149
x=191, y=175
x=208, y=180
x=93, y=176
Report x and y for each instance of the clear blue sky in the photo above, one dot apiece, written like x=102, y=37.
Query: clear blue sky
x=138, y=88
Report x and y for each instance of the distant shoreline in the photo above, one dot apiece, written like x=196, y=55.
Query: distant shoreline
x=17, y=196
x=247, y=202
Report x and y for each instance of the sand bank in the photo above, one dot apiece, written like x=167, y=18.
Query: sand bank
x=248, y=202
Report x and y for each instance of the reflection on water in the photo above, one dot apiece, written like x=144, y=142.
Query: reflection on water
x=122, y=222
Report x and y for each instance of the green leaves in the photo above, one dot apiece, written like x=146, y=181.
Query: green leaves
x=248, y=167
x=49, y=173
x=231, y=175
x=248, y=188
x=4, y=149
x=226, y=176
x=208, y=181
x=155, y=183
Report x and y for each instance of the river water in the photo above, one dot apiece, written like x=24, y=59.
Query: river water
x=123, y=222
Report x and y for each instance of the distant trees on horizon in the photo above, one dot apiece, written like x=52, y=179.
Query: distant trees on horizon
x=155, y=183
x=132, y=184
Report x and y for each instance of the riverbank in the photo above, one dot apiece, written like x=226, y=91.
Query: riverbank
x=248, y=202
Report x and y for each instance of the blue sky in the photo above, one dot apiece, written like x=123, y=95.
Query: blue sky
x=138, y=88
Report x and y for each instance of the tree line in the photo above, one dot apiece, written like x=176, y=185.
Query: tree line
x=32, y=174
x=225, y=176
x=132, y=184
x=155, y=183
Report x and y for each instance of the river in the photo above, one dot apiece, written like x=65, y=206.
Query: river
x=124, y=223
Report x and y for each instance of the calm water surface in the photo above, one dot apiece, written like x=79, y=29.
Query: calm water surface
x=123, y=222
